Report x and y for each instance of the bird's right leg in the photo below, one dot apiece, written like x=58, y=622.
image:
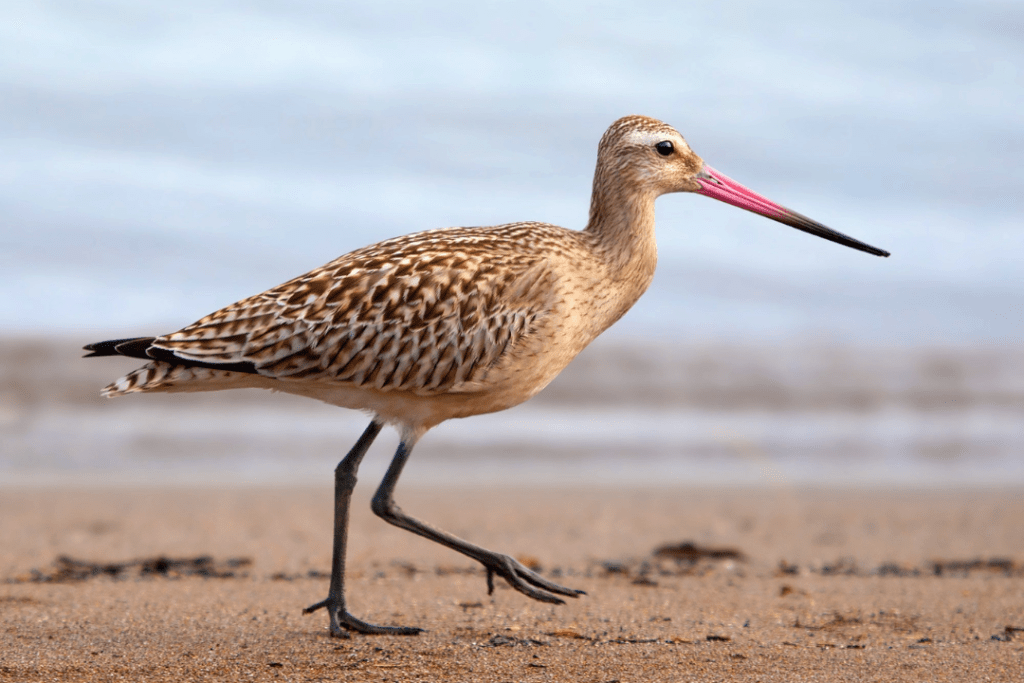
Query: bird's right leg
x=344, y=483
x=521, y=578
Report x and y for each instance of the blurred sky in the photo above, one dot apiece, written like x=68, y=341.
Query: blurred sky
x=160, y=160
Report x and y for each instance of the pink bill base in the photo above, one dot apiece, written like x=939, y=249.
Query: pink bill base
x=723, y=188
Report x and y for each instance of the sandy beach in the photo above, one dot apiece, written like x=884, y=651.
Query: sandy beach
x=178, y=538
x=867, y=585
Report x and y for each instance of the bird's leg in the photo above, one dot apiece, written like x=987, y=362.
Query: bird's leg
x=344, y=483
x=519, y=577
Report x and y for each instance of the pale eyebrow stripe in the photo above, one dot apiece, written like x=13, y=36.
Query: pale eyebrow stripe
x=651, y=137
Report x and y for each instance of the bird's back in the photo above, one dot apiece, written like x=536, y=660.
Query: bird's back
x=471, y=319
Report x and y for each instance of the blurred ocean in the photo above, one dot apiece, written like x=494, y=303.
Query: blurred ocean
x=632, y=415
x=161, y=160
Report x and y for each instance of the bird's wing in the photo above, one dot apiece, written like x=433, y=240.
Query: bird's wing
x=428, y=313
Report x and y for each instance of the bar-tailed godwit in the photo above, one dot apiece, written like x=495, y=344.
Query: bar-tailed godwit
x=447, y=323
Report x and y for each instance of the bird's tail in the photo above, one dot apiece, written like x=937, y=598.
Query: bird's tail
x=168, y=372
x=161, y=376
x=150, y=377
x=133, y=347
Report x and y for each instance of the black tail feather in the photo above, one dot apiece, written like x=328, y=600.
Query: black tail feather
x=133, y=346
x=141, y=347
x=169, y=357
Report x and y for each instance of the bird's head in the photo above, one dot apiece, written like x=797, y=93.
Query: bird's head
x=650, y=156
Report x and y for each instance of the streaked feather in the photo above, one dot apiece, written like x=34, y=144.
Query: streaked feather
x=427, y=313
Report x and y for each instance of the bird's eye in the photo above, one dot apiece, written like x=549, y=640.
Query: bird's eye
x=664, y=148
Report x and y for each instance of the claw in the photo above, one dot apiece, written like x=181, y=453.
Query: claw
x=524, y=580
x=349, y=623
x=313, y=608
x=342, y=622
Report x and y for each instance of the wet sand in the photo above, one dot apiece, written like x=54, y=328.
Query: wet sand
x=867, y=585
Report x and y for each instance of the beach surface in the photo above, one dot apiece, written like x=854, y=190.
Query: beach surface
x=824, y=513
x=768, y=584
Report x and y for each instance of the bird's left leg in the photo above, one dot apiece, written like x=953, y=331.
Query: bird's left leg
x=344, y=482
x=519, y=577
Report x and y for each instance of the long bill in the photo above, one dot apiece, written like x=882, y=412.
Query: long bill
x=717, y=186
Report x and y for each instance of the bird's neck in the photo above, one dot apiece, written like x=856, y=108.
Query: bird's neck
x=622, y=226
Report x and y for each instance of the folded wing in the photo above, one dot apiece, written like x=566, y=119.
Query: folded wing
x=407, y=315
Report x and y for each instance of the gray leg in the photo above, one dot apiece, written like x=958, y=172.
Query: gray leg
x=344, y=483
x=519, y=577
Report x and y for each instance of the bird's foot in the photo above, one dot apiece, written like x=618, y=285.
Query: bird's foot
x=526, y=581
x=342, y=623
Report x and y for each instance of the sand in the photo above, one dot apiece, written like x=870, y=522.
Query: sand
x=827, y=584
x=866, y=585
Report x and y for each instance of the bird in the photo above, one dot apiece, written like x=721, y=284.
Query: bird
x=445, y=324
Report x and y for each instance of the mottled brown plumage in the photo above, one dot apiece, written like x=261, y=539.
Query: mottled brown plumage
x=445, y=324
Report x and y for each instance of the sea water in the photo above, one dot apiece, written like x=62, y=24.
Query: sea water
x=159, y=161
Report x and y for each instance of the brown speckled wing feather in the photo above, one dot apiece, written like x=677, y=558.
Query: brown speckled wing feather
x=428, y=313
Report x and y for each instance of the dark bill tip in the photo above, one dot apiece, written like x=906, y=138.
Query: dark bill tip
x=801, y=222
x=725, y=189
